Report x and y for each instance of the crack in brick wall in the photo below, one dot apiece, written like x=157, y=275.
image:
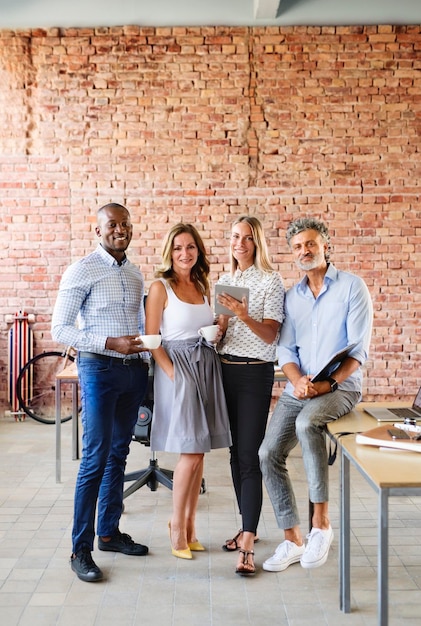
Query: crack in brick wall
x=203, y=124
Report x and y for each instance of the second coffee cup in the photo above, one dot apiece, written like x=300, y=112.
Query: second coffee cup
x=209, y=332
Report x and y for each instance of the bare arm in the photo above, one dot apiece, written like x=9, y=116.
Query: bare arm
x=266, y=330
x=156, y=302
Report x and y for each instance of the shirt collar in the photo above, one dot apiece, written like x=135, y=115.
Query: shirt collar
x=108, y=258
x=250, y=270
x=330, y=276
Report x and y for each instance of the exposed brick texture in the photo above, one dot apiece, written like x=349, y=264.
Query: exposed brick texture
x=204, y=124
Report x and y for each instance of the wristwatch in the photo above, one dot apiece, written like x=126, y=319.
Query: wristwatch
x=333, y=384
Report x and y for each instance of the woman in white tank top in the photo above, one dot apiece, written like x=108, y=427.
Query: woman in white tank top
x=189, y=415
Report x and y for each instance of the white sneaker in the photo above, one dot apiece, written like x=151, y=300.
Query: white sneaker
x=317, y=548
x=285, y=554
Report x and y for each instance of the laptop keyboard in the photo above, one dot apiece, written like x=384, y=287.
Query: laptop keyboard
x=405, y=413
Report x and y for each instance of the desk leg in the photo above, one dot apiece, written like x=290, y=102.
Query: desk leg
x=344, y=540
x=75, y=422
x=383, y=559
x=58, y=430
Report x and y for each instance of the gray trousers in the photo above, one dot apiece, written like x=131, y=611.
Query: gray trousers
x=300, y=421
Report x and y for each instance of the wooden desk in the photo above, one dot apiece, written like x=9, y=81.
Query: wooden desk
x=68, y=375
x=390, y=473
x=279, y=375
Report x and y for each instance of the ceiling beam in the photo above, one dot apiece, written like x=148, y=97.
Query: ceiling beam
x=266, y=9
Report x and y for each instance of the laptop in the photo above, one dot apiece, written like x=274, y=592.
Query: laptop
x=395, y=415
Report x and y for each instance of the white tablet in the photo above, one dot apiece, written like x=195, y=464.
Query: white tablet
x=236, y=292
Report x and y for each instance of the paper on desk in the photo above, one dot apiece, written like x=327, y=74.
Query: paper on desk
x=379, y=437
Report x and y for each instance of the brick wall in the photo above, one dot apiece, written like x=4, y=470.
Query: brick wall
x=204, y=124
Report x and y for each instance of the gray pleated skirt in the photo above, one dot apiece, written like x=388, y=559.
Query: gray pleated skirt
x=190, y=414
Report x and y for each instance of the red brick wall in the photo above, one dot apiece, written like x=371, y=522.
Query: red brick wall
x=203, y=124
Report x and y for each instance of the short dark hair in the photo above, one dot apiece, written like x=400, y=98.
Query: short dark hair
x=110, y=205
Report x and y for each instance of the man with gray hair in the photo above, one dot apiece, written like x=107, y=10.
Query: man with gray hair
x=325, y=312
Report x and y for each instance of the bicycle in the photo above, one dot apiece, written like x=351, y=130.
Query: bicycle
x=36, y=386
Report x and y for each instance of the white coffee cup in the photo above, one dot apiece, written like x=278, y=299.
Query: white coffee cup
x=150, y=341
x=209, y=332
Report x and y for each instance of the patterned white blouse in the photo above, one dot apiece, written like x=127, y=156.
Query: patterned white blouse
x=266, y=301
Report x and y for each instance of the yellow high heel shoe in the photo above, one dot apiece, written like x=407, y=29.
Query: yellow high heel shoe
x=196, y=546
x=180, y=554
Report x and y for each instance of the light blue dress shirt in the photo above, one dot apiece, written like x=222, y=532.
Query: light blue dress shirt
x=98, y=298
x=316, y=328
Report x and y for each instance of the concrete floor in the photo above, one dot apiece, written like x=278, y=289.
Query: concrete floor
x=38, y=588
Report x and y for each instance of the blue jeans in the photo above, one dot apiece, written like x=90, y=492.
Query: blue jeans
x=300, y=421
x=111, y=395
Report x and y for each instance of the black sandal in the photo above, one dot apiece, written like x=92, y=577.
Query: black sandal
x=246, y=568
x=234, y=541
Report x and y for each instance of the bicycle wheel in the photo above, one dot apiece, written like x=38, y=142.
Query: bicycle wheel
x=36, y=387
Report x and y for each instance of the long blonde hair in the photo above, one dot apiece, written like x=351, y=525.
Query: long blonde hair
x=199, y=272
x=261, y=254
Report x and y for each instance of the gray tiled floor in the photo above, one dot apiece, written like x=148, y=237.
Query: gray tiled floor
x=37, y=587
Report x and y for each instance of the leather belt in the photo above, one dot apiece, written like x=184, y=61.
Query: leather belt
x=240, y=360
x=115, y=359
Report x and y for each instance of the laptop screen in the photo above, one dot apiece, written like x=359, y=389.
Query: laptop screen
x=417, y=401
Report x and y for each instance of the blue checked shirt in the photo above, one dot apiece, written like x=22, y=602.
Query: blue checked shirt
x=98, y=298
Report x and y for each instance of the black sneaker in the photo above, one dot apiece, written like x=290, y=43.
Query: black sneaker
x=84, y=566
x=121, y=542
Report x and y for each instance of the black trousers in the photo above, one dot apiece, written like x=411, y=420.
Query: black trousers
x=248, y=392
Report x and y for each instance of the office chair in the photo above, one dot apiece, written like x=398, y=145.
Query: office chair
x=153, y=474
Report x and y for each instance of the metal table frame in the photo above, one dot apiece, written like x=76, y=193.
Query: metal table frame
x=400, y=478
x=383, y=494
x=68, y=375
